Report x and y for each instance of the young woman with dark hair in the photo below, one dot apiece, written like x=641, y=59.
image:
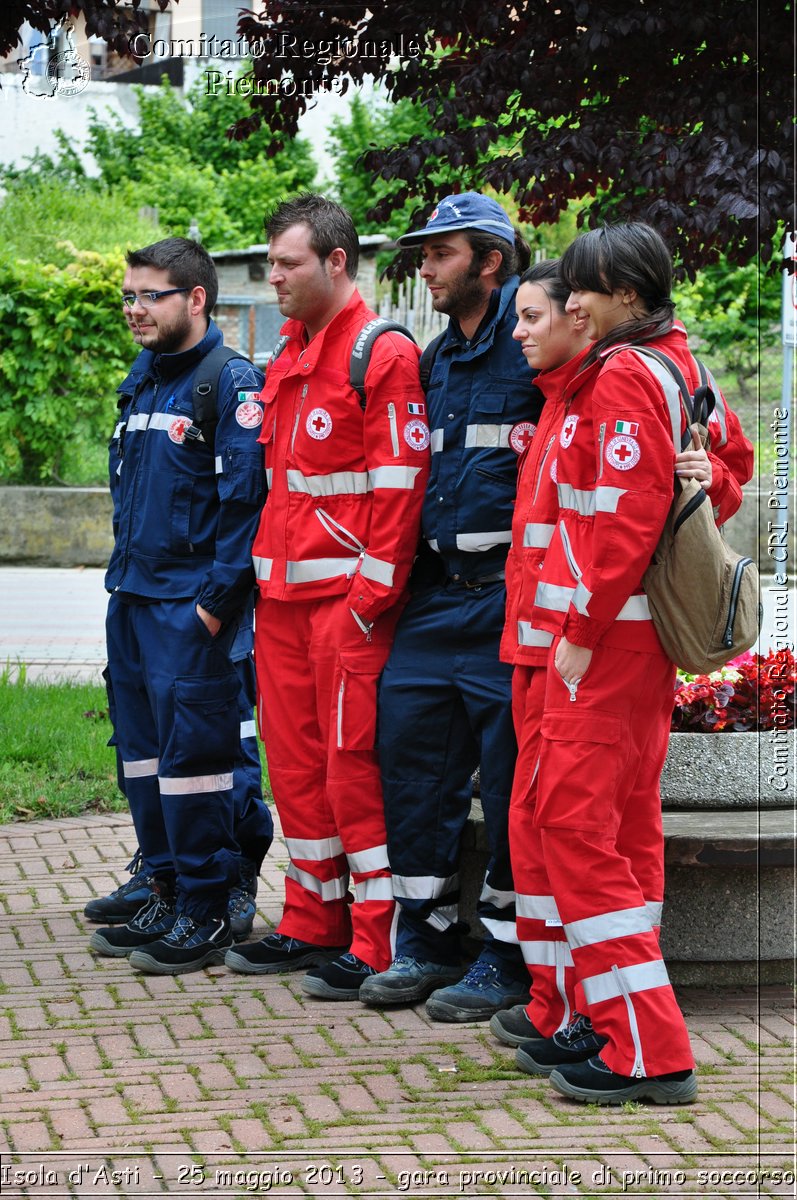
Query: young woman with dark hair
x=586, y=826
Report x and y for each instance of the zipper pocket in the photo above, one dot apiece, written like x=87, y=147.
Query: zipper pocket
x=391, y=416
x=575, y=570
x=341, y=694
x=298, y=416
x=542, y=464
x=639, y=1064
x=741, y=566
x=601, y=440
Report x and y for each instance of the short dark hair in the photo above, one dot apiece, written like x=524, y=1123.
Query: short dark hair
x=513, y=258
x=547, y=274
x=187, y=264
x=631, y=255
x=331, y=227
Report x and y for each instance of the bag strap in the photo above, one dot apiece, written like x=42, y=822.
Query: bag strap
x=361, y=351
x=205, y=391
x=427, y=360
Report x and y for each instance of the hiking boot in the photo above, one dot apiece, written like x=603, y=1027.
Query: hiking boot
x=118, y=907
x=152, y=921
x=276, y=953
x=513, y=1027
x=483, y=991
x=593, y=1082
x=406, y=981
x=188, y=946
x=577, y=1042
x=340, y=979
x=241, y=908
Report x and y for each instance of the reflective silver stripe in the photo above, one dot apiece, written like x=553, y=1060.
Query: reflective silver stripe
x=434, y=544
x=140, y=768
x=502, y=931
x=219, y=465
x=538, y=536
x=538, y=908
x=437, y=440
x=262, y=567
x=314, y=849
x=394, y=477
x=655, y=909
x=607, y=499
x=527, y=635
x=443, y=918
x=248, y=729
x=327, y=889
x=377, y=569
x=137, y=421
x=483, y=541
x=487, y=435
x=624, y=922
x=640, y=977
x=581, y=501
x=117, y=431
x=639, y=1063
x=497, y=899
x=339, y=532
x=423, y=887
x=373, y=859
x=546, y=954
x=313, y=569
x=636, y=608
x=377, y=888
x=672, y=393
x=581, y=598
x=337, y=483
x=269, y=477
x=554, y=596
x=720, y=411
x=194, y=785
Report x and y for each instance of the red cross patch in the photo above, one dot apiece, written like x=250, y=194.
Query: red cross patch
x=416, y=434
x=623, y=452
x=568, y=431
x=177, y=429
x=520, y=436
x=249, y=415
x=319, y=424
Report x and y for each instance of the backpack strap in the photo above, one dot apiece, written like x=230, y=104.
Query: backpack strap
x=361, y=351
x=205, y=392
x=427, y=360
x=696, y=408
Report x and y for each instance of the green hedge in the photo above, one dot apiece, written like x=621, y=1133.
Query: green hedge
x=65, y=350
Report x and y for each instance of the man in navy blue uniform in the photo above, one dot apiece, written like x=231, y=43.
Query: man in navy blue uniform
x=445, y=698
x=180, y=677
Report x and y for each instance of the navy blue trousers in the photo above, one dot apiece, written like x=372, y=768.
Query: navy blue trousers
x=445, y=707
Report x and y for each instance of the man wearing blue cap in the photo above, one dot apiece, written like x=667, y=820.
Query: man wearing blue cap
x=445, y=698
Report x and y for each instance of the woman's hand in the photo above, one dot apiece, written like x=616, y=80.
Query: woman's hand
x=694, y=464
x=572, y=662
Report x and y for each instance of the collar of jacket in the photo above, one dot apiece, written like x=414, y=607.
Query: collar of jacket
x=552, y=383
x=485, y=334
x=167, y=366
x=353, y=315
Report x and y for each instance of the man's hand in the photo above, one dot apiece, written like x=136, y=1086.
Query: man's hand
x=213, y=624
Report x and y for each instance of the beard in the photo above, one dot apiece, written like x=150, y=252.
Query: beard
x=166, y=337
x=463, y=297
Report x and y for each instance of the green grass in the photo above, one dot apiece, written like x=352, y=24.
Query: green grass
x=54, y=757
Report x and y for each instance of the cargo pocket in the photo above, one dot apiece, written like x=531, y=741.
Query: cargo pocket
x=356, y=702
x=581, y=761
x=205, y=736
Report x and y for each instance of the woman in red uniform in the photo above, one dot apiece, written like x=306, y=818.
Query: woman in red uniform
x=594, y=883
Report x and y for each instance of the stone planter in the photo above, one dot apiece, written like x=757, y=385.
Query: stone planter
x=729, y=770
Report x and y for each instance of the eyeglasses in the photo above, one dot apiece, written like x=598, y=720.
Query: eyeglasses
x=147, y=299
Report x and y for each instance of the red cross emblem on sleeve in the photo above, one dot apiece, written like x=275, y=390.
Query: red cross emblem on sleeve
x=319, y=424
x=416, y=434
x=520, y=435
x=623, y=452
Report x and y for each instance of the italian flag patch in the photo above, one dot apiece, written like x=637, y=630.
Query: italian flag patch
x=629, y=427
x=417, y=410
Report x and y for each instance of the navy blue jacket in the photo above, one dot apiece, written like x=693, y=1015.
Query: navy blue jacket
x=482, y=407
x=185, y=515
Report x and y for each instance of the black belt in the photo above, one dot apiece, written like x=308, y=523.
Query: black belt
x=479, y=581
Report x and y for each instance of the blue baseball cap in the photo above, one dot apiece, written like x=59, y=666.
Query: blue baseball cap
x=471, y=210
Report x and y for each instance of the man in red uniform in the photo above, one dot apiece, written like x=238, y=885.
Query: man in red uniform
x=336, y=541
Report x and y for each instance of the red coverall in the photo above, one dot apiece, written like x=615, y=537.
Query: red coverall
x=637, y=836
x=332, y=555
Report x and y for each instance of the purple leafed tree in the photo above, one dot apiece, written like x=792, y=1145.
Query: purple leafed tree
x=115, y=21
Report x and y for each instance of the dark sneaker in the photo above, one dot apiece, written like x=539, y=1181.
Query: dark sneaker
x=593, y=1083
x=577, y=1042
x=188, y=946
x=483, y=991
x=118, y=907
x=277, y=953
x=152, y=921
x=513, y=1027
x=340, y=979
x=406, y=981
x=241, y=908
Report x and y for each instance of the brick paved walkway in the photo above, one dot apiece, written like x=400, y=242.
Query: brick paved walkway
x=214, y=1084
